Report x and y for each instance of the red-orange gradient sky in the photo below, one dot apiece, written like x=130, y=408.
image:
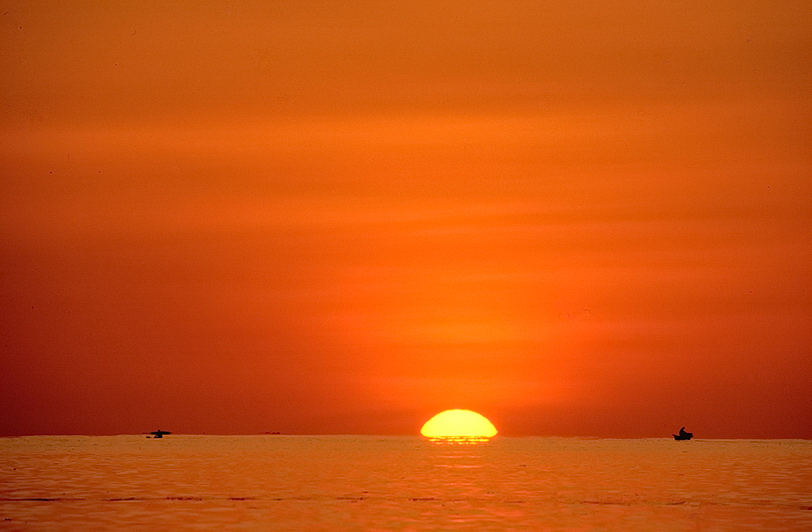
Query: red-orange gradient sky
x=577, y=218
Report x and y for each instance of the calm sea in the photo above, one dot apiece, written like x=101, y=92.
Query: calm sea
x=348, y=483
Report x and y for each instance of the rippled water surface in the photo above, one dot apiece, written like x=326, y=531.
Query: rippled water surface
x=343, y=483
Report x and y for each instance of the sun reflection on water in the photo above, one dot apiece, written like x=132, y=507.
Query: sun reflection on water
x=459, y=440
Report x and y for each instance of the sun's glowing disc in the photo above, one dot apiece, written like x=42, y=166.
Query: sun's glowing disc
x=458, y=425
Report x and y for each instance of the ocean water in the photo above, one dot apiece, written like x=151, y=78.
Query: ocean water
x=349, y=483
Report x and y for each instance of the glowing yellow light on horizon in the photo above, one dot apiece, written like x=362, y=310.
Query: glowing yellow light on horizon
x=458, y=425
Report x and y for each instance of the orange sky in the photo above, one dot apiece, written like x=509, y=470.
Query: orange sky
x=581, y=218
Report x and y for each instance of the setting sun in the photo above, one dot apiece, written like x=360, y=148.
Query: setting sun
x=458, y=424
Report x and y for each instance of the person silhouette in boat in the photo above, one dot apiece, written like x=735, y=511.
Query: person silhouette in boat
x=683, y=435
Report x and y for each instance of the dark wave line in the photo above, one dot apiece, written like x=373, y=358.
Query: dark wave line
x=120, y=499
x=347, y=498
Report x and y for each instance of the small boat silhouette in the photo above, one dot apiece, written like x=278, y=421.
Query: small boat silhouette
x=683, y=435
x=160, y=433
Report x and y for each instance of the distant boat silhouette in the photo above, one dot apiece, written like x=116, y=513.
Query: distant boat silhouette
x=160, y=433
x=683, y=435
